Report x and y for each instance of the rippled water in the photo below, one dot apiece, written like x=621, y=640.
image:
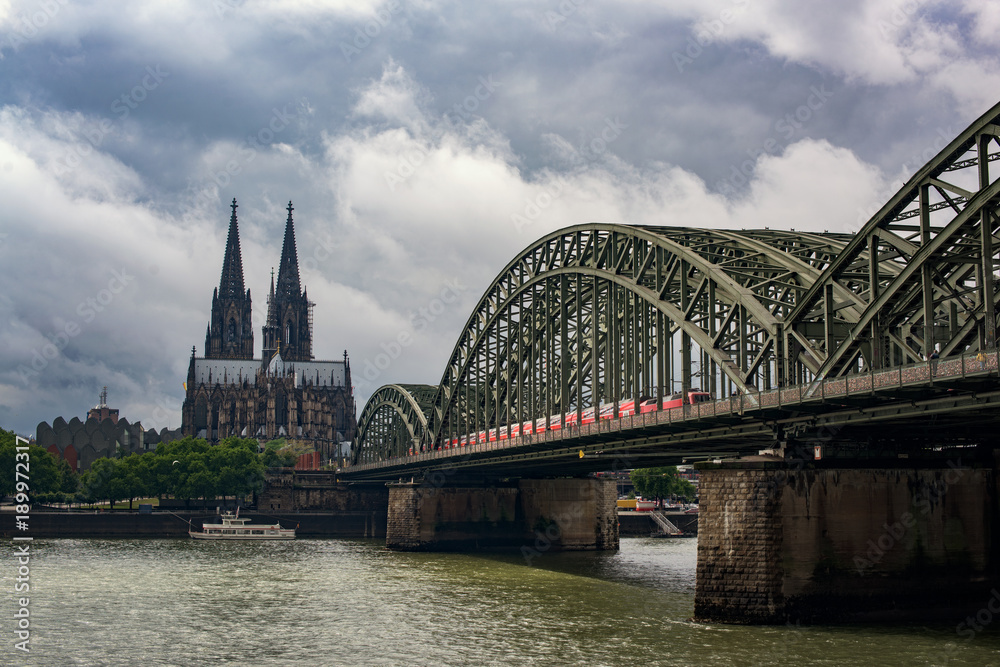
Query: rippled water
x=352, y=602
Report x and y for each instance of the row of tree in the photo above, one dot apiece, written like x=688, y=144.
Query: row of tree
x=192, y=468
x=185, y=469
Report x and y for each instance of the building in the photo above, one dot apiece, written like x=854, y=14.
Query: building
x=286, y=393
x=101, y=411
x=103, y=435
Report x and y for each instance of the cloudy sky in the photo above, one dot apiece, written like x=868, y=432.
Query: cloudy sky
x=424, y=143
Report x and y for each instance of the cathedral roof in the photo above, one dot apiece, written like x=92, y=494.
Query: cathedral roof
x=237, y=371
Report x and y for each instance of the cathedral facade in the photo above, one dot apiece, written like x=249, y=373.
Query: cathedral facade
x=284, y=394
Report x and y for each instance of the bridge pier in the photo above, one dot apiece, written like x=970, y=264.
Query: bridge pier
x=780, y=542
x=533, y=515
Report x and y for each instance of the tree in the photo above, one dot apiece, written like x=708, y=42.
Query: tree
x=661, y=483
x=98, y=482
x=41, y=468
x=133, y=476
x=69, y=480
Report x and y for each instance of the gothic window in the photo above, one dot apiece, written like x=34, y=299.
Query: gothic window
x=289, y=330
x=280, y=409
x=231, y=334
x=200, y=413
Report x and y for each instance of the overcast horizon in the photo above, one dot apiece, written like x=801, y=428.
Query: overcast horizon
x=423, y=144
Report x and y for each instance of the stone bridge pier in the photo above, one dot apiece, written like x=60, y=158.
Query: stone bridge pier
x=533, y=515
x=902, y=540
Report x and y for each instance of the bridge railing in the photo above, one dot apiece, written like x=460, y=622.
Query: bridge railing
x=819, y=391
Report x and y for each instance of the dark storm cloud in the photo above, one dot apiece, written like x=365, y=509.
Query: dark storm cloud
x=424, y=144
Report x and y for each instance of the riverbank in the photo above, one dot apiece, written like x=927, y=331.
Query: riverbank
x=160, y=523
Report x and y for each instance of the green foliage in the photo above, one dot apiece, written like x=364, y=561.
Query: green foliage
x=43, y=470
x=278, y=459
x=187, y=468
x=98, y=482
x=663, y=482
x=275, y=445
x=282, y=453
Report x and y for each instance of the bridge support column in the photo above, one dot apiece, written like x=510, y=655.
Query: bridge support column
x=533, y=515
x=779, y=543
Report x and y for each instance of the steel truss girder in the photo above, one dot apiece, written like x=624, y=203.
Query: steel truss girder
x=392, y=422
x=528, y=349
x=922, y=271
x=589, y=314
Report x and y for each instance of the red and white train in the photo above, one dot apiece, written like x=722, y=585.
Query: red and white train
x=556, y=422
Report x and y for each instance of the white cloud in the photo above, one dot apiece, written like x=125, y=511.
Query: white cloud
x=395, y=201
x=881, y=42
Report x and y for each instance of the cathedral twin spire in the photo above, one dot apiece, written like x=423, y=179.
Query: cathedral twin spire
x=230, y=332
x=288, y=330
x=289, y=324
x=231, y=284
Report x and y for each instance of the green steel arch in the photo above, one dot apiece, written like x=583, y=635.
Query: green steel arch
x=919, y=276
x=393, y=422
x=600, y=313
x=596, y=314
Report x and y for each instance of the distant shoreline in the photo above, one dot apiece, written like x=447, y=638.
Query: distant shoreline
x=124, y=523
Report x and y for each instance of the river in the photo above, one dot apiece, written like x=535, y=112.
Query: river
x=352, y=602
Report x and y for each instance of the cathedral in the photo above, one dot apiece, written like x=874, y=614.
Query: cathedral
x=284, y=394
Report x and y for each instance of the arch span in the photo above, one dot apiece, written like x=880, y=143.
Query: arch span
x=599, y=315
x=393, y=422
x=920, y=275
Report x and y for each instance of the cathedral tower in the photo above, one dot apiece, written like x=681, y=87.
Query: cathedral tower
x=288, y=329
x=230, y=333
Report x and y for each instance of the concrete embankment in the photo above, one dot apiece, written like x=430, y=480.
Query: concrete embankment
x=166, y=524
x=641, y=524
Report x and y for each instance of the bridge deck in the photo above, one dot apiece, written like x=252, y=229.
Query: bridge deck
x=947, y=394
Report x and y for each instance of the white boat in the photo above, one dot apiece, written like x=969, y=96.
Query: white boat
x=235, y=528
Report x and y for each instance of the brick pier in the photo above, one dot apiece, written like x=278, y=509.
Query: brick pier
x=533, y=515
x=781, y=544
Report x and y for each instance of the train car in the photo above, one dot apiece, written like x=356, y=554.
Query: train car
x=676, y=400
x=626, y=408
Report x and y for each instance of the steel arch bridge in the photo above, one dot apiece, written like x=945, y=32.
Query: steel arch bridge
x=597, y=314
